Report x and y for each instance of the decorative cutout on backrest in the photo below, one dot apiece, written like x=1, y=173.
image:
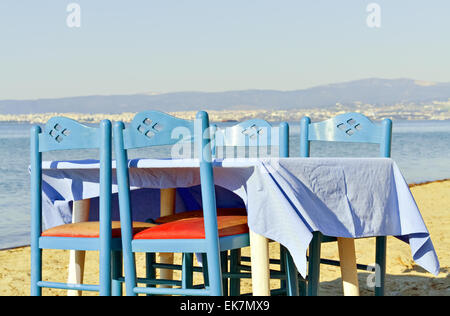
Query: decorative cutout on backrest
x=255, y=132
x=58, y=133
x=348, y=127
x=154, y=128
x=149, y=128
x=252, y=131
x=251, y=138
x=61, y=133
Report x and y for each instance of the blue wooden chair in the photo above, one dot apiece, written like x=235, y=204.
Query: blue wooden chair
x=253, y=139
x=209, y=234
x=352, y=128
x=61, y=133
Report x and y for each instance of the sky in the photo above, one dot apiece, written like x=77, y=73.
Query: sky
x=147, y=46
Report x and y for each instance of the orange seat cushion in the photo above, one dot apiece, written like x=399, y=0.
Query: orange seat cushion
x=199, y=213
x=193, y=228
x=90, y=229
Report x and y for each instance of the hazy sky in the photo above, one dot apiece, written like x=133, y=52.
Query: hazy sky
x=142, y=46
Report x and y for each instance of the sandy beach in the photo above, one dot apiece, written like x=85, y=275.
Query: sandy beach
x=404, y=277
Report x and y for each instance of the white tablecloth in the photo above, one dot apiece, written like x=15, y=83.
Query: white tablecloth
x=286, y=198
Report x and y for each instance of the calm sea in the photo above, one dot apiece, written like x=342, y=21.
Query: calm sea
x=420, y=148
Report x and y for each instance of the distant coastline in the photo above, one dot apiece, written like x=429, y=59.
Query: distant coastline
x=400, y=99
x=399, y=112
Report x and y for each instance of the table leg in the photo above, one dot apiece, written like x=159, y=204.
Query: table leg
x=349, y=273
x=80, y=213
x=167, y=197
x=259, y=247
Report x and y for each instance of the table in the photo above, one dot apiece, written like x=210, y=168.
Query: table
x=286, y=199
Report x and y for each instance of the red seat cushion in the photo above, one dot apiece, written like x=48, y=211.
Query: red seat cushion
x=199, y=213
x=193, y=228
x=90, y=229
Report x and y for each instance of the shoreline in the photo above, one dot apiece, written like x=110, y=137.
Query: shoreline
x=15, y=247
x=412, y=185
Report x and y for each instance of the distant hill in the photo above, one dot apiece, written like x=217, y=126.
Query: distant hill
x=380, y=92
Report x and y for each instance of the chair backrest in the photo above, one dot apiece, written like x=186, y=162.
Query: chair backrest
x=254, y=133
x=153, y=128
x=348, y=127
x=61, y=133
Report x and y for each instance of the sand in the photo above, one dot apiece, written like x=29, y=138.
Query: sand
x=404, y=277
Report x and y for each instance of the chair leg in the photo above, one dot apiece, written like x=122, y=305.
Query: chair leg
x=380, y=259
x=105, y=273
x=224, y=266
x=214, y=274
x=116, y=273
x=187, y=274
x=314, y=264
x=235, y=283
x=291, y=274
x=129, y=262
x=205, y=269
x=150, y=271
x=36, y=270
x=303, y=291
x=283, y=284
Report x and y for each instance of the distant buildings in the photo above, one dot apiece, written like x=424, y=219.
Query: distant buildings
x=434, y=111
